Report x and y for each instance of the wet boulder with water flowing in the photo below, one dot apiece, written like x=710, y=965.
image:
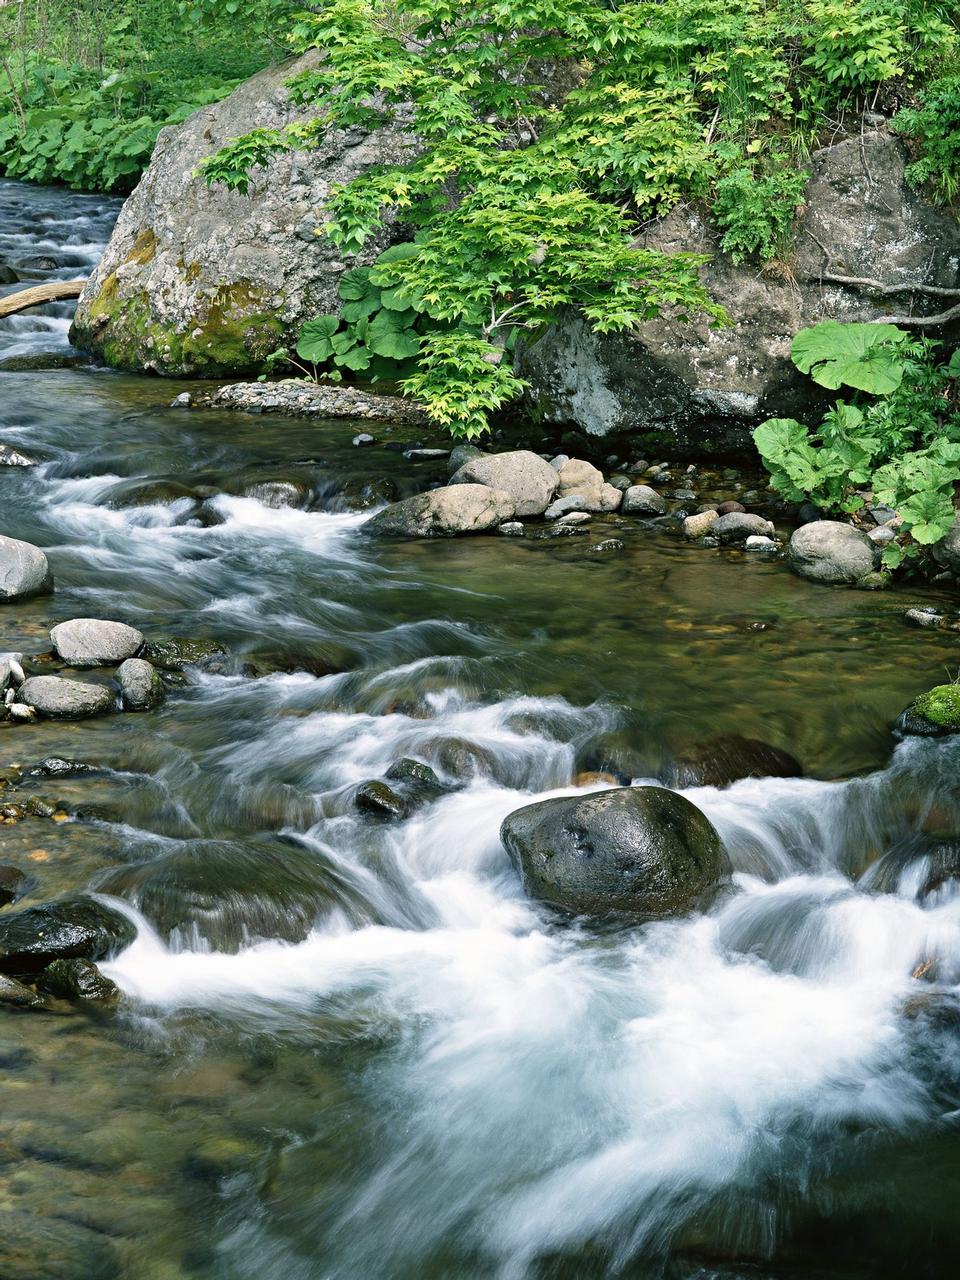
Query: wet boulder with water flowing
x=524, y=476
x=227, y=894
x=141, y=686
x=728, y=757
x=24, y=570
x=451, y=511
x=639, y=851
x=71, y=928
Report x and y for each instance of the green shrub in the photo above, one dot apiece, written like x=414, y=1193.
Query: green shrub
x=897, y=440
x=933, y=126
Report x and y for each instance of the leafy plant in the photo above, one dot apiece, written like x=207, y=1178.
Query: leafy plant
x=548, y=131
x=896, y=444
x=933, y=126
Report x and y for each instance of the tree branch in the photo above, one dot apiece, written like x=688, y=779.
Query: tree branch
x=923, y=322
x=877, y=286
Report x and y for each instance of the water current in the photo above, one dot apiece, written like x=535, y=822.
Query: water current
x=350, y=1049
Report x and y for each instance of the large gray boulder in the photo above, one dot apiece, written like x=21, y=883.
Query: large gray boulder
x=59, y=699
x=204, y=281
x=638, y=850
x=444, y=513
x=95, y=642
x=699, y=386
x=24, y=570
x=737, y=526
x=831, y=551
x=583, y=480
x=526, y=477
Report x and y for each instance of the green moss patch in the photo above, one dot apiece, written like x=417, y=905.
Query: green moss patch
x=941, y=706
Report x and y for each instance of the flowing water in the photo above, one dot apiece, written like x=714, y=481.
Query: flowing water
x=352, y=1049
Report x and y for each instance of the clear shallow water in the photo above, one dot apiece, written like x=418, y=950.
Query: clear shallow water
x=439, y=1079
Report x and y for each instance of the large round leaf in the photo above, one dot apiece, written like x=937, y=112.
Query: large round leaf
x=863, y=356
x=390, y=334
x=315, y=341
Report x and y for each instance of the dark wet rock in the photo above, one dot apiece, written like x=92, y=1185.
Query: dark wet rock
x=728, y=757
x=831, y=551
x=379, y=800
x=33, y=1247
x=24, y=570
x=560, y=529
x=151, y=493
x=642, y=851
x=7, y=274
x=71, y=928
x=37, y=262
x=364, y=438
x=525, y=477
x=32, y=361
x=77, y=980
x=10, y=456
x=361, y=495
x=464, y=760
x=450, y=511
x=141, y=688
x=934, y=714
x=407, y=769
x=947, y=551
x=738, y=526
x=15, y=995
x=323, y=658
x=14, y=883
x=179, y=653
x=607, y=547
x=641, y=500
x=56, y=698
x=227, y=894
x=277, y=493
x=55, y=767
x=95, y=642
x=730, y=508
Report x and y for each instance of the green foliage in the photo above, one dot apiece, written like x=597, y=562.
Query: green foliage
x=85, y=88
x=550, y=130
x=901, y=447
x=933, y=127
x=756, y=210
x=867, y=357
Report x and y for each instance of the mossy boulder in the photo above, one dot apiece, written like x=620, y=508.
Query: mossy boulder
x=200, y=281
x=636, y=851
x=933, y=714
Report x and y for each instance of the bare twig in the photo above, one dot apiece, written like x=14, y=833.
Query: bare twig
x=24, y=298
x=877, y=286
x=923, y=322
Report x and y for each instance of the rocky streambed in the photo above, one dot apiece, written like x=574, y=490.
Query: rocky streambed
x=357, y=1010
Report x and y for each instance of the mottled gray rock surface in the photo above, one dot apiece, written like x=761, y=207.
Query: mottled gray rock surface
x=141, y=687
x=59, y=699
x=202, y=280
x=831, y=551
x=24, y=570
x=446, y=512
x=95, y=642
x=696, y=386
x=526, y=477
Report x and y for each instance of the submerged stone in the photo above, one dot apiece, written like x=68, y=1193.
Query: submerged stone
x=728, y=757
x=180, y=652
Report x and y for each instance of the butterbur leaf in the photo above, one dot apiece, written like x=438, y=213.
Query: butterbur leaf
x=388, y=335
x=356, y=284
x=351, y=312
x=930, y=516
x=953, y=367
x=892, y=556
x=355, y=358
x=863, y=356
x=314, y=343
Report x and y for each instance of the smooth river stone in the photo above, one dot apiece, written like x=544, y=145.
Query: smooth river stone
x=94, y=642
x=59, y=699
x=24, y=570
